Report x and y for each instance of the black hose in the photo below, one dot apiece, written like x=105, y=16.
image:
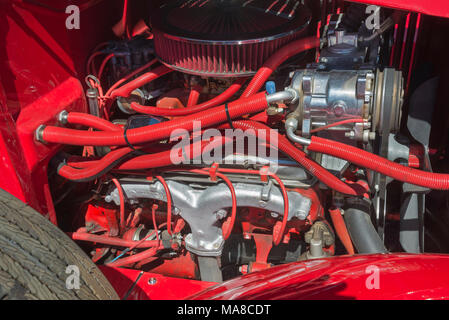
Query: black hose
x=363, y=234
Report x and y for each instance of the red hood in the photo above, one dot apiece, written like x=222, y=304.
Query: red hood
x=400, y=276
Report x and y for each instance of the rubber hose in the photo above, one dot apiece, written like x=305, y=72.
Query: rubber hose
x=128, y=88
x=286, y=52
x=194, y=96
x=90, y=170
x=222, y=98
x=437, y=181
x=158, y=131
x=284, y=145
x=91, y=121
x=341, y=229
x=362, y=232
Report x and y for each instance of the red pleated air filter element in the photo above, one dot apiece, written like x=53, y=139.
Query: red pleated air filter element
x=225, y=38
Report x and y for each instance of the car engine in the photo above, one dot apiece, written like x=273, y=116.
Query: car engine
x=227, y=137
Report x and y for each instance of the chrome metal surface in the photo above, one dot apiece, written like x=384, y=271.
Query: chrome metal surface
x=198, y=205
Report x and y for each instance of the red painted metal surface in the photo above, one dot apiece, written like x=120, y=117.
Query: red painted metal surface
x=183, y=266
x=401, y=276
x=41, y=62
x=438, y=8
x=151, y=286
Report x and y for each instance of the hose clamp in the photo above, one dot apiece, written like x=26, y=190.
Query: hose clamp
x=39, y=133
x=63, y=117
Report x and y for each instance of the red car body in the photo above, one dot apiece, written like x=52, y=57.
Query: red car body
x=40, y=70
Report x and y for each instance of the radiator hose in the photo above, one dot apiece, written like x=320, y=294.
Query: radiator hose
x=363, y=234
x=362, y=158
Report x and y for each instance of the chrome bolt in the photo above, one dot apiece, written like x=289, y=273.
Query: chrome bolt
x=62, y=117
x=39, y=133
x=176, y=211
x=339, y=109
x=350, y=134
x=301, y=215
x=221, y=214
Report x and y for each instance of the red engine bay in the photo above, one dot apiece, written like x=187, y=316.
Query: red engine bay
x=211, y=149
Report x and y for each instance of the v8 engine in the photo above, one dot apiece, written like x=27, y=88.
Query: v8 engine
x=227, y=137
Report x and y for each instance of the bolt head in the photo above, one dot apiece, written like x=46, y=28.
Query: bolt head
x=350, y=134
x=38, y=134
x=62, y=117
x=221, y=214
x=243, y=269
x=339, y=110
x=301, y=215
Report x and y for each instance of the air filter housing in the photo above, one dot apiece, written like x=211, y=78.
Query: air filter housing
x=225, y=38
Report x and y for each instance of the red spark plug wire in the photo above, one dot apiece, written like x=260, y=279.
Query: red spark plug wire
x=90, y=68
x=121, y=195
x=226, y=231
x=277, y=236
x=112, y=241
x=284, y=145
x=221, y=98
x=98, y=167
x=154, y=246
x=194, y=96
x=87, y=170
x=125, y=22
x=162, y=159
x=336, y=124
x=103, y=65
x=126, y=89
x=169, y=204
x=129, y=76
x=153, y=217
x=155, y=231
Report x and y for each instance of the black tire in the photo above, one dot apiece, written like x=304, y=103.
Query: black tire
x=35, y=254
